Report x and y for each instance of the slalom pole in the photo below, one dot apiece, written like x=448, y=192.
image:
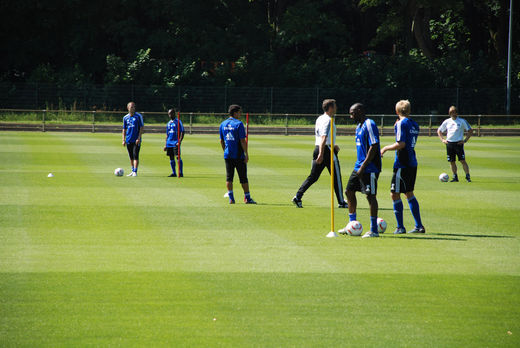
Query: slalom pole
x=178, y=144
x=331, y=234
x=247, y=127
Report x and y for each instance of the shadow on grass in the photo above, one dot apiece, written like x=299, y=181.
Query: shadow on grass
x=471, y=235
x=429, y=238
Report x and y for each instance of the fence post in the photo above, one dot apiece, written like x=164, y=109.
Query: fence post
x=382, y=123
x=191, y=122
x=286, y=124
x=271, y=109
x=43, y=120
x=478, y=122
x=94, y=121
x=430, y=127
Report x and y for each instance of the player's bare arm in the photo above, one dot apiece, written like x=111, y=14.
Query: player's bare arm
x=319, y=159
x=370, y=155
x=395, y=146
x=243, y=142
x=468, y=135
x=439, y=133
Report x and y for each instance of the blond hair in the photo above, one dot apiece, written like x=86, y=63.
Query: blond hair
x=403, y=107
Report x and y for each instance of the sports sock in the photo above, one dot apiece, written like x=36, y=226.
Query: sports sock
x=172, y=164
x=180, y=168
x=231, y=197
x=133, y=169
x=468, y=176
x=352, y=217
x=247, y=195
x=398, y=211
x=373, y=224
x=414, y=207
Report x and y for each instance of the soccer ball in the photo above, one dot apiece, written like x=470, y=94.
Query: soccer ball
x=119, y=172
x=444, y=177
x=354, y=228
x=381, y=225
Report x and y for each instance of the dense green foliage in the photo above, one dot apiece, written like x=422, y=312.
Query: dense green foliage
x=332, y=43
x=90, y=259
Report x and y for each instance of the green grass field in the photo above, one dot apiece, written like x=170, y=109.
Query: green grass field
x=90, y=259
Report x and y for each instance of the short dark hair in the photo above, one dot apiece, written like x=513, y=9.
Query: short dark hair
x=359, y=106
x=234, y=108
x=172, y=110
x=327, y=103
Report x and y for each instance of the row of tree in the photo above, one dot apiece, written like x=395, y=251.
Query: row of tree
x=325, y=43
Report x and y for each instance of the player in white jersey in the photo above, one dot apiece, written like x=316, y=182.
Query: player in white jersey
x=454, y=127
x=321, y=155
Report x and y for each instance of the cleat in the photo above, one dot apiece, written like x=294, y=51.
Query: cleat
x=343, y=205
x=297, y=202
x=173, y=175
x=249, y=201
x=468, y=178
x=231, y=201
x=134, y=174
x=455, y=179
x=343, y=230
x=418, y=230
x=181, y=175
x=131, y=174
x=400, y=230
x=370, y=234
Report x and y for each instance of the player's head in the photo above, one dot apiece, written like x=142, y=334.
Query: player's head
x=357, y=112
x=171, y=113
x=453, y=111
x=329, y=105
x=234, y=110
x=403, y=108
x=131, y=107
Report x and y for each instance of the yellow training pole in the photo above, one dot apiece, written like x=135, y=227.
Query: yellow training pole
x=332, y=233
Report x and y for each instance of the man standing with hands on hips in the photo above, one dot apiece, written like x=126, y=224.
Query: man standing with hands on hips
x=455, y=127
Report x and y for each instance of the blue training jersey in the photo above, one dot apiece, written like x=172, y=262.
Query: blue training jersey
x=367, y=135
x=132, y=125
x=407, y=131
x=231, y=131
x=171, y=132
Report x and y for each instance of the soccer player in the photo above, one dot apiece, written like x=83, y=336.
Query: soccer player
x=405, y=167
x=174, y=128
x=321, y=155
x=234, y=145
x=455, y=127
x=132, y=132
x=366, y=169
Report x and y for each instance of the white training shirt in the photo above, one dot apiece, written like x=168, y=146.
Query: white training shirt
x=322, y=128
x=455, y=129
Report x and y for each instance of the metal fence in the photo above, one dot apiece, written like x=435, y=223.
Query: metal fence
x=286, y=124
x=270, y=100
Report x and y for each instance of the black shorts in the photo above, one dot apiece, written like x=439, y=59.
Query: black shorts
x=366, y=184
x=172, y=152
x=133, y=150
x=241, y=168
x=453, y=149
x=403, y=180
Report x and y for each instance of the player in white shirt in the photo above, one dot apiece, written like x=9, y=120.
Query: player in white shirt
x=321, y=155
x=454, y=127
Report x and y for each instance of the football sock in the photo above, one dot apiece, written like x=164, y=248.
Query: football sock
x=231, y=197
x=352, y=217
x=373, y=224
x=180, y=168
x=247, y=195
x=172, y=164
x=398, y=211
x=414, y=207
x=133, y=169
x=467, y=176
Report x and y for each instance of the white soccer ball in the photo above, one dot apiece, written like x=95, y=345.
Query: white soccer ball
x=444, y=177
x=381, y=225
x=354, y=228
x=119, y=172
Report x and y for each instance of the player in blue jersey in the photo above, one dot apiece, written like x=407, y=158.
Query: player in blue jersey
x=174, y=129
x=405, y=167
x=234, y=145
x=366, y=169
x=132, y=132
